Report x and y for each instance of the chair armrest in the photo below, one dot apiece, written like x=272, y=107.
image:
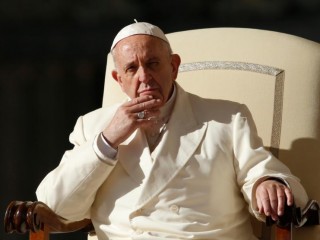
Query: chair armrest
x=22, y=217
x=308, y=216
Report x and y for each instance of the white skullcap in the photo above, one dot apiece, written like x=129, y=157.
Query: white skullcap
x=139, y=28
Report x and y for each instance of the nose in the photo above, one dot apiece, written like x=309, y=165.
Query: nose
x=143, y=75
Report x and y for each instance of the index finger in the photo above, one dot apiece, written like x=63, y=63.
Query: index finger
x=139, y=100
x=143, y=103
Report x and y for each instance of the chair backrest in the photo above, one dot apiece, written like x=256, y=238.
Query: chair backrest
x=276, y=75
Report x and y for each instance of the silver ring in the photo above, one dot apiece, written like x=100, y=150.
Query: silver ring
x=141, y=115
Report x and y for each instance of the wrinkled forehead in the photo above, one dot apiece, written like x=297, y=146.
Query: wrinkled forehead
x=140, y=41
x=141, y=44
x=142, y=47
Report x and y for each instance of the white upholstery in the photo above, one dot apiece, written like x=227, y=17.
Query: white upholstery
x=277, y=75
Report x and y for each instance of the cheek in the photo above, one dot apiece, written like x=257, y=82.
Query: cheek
x=130, y=87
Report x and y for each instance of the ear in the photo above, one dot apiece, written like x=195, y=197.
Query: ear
x=115, y=76
x=175, y=62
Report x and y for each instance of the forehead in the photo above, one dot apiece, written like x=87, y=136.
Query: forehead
x=140, y=45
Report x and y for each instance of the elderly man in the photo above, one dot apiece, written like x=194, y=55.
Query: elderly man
x=166, y=163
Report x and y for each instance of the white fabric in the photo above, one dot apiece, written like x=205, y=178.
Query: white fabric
x=139, y=28
x=210, y=144
x=103, y=150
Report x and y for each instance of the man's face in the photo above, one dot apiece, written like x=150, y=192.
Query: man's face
x=145, y=66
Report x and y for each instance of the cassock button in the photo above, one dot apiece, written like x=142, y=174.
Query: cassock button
x=174, y=208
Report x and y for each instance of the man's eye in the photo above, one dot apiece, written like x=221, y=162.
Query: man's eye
x=153, y=64
x=130, y=69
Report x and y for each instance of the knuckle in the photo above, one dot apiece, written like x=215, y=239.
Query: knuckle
x=273, y=200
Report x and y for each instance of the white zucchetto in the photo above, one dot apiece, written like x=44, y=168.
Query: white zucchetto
x=139, y=28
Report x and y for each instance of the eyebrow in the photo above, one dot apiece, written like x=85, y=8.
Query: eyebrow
x=133, y=62
x=125, y=66
x=153, y=58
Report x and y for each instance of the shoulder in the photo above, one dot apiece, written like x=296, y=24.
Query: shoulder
x=95, y=121
x=201, y=106
x=218, y=110
x=210, y=109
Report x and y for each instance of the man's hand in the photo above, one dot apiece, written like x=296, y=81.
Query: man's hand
x=126, y=120
x=271, y=198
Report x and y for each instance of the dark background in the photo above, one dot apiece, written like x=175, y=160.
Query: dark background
x=52, y=64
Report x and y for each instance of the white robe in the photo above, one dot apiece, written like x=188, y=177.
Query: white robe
x=197, y=184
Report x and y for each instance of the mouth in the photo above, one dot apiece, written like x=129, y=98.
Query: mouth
x=148, y=91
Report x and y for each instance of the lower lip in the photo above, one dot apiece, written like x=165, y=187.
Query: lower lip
x=148, y=92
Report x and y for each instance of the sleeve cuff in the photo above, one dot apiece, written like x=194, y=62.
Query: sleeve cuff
x=104, y=151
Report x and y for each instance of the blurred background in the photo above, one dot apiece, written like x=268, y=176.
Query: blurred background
x=52, y=65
